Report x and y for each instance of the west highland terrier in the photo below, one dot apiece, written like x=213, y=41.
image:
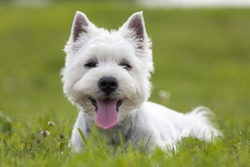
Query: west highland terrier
x=106, y=76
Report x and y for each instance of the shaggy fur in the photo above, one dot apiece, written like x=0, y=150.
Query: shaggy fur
x=124, y=57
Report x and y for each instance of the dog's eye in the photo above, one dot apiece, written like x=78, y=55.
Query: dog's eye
x=90, y=64
x=125, y=65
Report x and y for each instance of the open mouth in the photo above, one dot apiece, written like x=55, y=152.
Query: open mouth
x=94, y=103
x=106, y=112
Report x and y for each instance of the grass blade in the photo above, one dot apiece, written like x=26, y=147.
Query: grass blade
x=83, y=137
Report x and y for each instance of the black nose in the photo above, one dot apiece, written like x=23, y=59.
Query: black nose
x=108, y=84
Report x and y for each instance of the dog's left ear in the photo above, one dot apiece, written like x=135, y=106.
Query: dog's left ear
x=134, y=29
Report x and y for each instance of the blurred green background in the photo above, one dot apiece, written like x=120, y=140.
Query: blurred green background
x=201, y=57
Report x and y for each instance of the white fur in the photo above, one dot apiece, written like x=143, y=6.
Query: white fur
x=138, y=119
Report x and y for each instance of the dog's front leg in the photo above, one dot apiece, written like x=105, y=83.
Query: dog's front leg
x=76, y=141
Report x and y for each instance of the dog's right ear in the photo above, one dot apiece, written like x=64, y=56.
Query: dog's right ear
x=80, y=31
x=80, y=25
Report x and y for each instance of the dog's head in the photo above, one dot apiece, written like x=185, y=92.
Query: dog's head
x=107, y=73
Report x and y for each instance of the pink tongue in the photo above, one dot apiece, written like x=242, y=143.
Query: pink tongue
x=106, y=116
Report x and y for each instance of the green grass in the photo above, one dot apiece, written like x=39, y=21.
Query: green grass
x=202, y=57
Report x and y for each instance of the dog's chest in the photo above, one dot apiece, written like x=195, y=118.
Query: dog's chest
x=120, y=134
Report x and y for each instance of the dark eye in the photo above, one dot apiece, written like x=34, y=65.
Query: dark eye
x=90, y=65
x=125, y=65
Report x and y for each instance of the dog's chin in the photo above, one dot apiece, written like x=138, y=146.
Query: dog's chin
x=106, y=111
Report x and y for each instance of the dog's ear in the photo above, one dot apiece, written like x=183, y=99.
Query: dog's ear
x=80, y=33
x=134, y=29
x=80, y=25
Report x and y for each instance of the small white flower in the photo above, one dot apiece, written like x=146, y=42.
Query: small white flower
x=50, y=123
x=45, y=133
x=164, y=96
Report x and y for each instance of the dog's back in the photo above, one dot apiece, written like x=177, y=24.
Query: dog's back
x=166, y=127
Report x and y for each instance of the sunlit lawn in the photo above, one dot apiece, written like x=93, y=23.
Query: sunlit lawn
x=202, y=57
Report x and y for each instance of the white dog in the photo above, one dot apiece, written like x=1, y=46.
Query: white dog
x=106, y=76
